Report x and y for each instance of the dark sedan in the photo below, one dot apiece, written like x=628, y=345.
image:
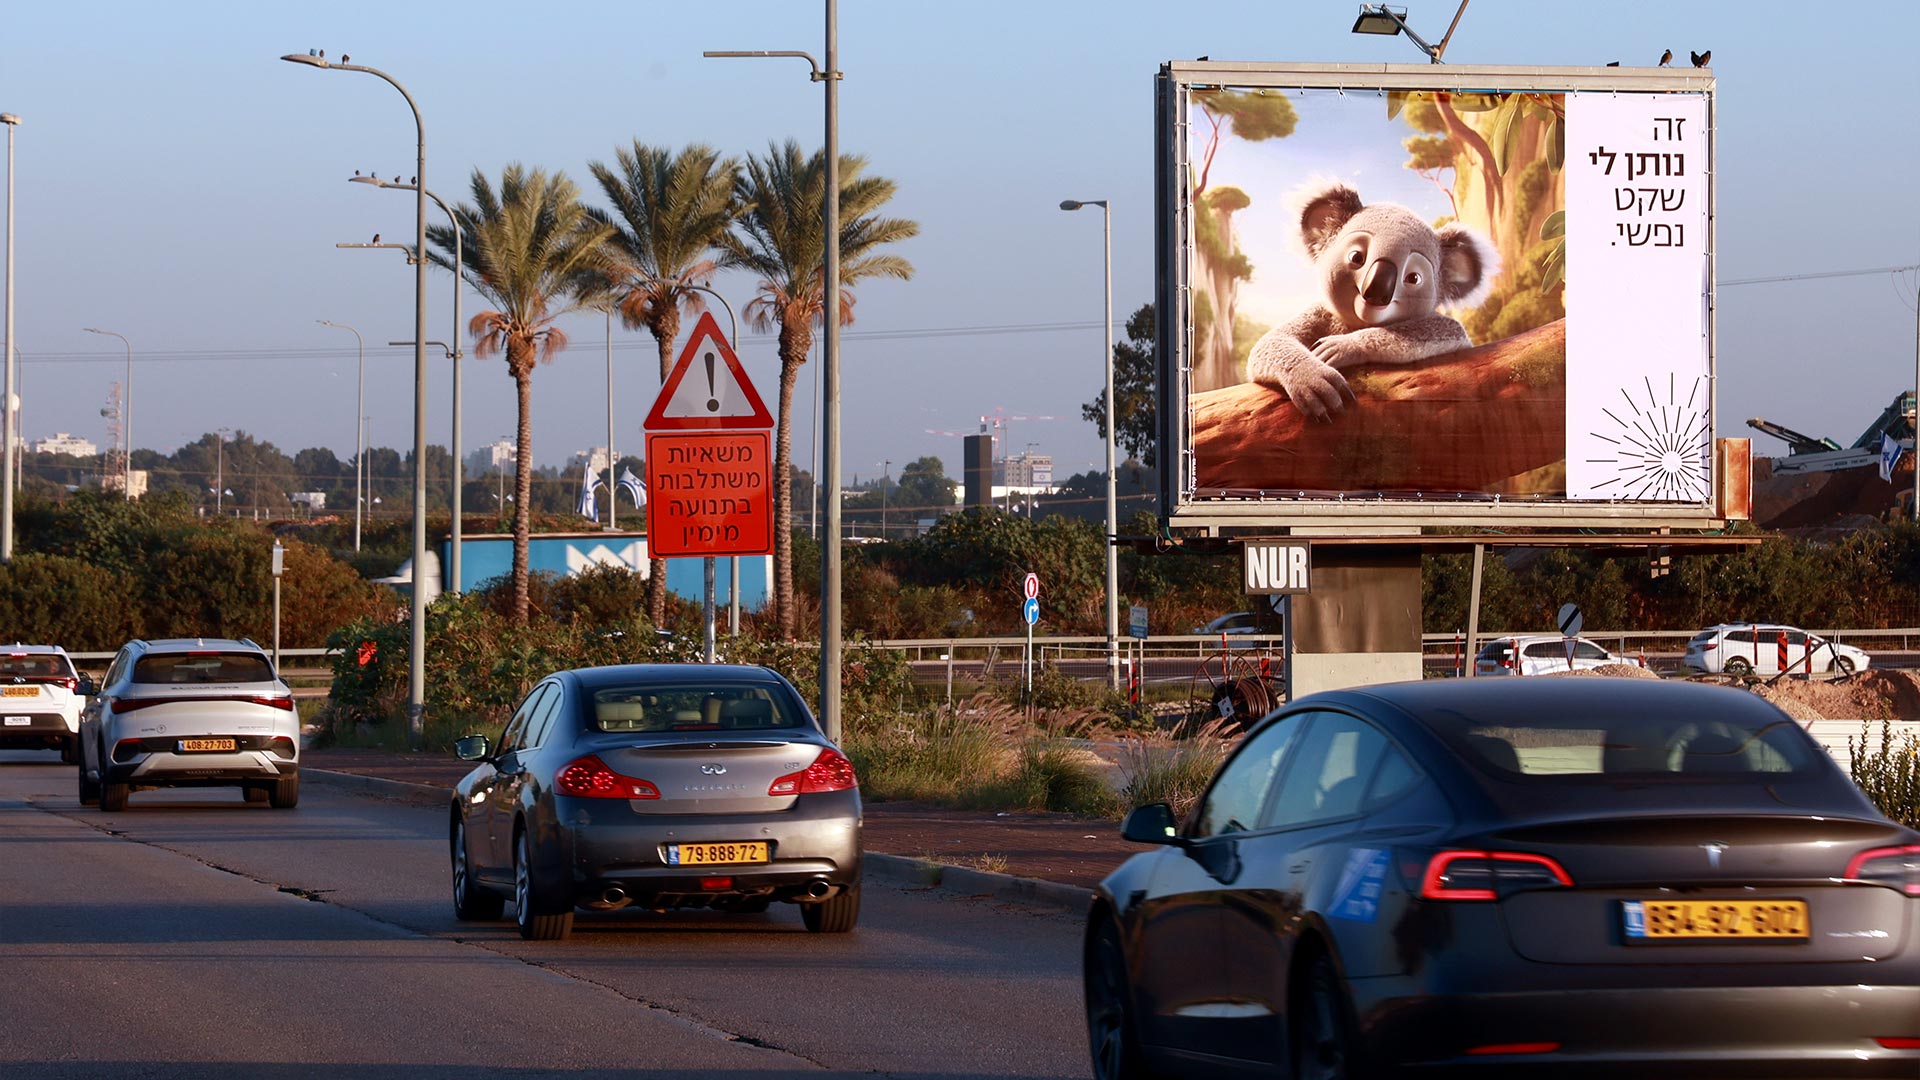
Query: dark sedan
x=657, y=785
x=1565, y=877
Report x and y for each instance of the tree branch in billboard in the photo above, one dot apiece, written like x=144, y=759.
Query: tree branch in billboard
x=1487, y=420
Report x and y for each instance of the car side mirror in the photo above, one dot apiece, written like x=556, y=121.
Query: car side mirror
x=86, y=687
x=1151, y=824
x=473, y=748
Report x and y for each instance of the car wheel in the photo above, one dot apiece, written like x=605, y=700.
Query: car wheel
x=70, y=751
x=835, y=915
x=89, y=788
x=1323, y=1046
x=1843, y=665
x=285, y=793
x=113, y=797
x=531, y=906
x=471, y=902
x=1737, y=665
x=1110, y=1034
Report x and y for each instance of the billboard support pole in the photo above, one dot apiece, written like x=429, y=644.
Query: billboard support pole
x=1913, y=456
x=1473, y=608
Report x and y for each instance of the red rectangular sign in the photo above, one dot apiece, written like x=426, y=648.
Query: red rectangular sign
x=709, y=493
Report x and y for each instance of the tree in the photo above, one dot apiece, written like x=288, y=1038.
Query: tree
x=533, y=252
x=1136, y=412
x=923, y=489
x=670, y=212
x=779, y=236
x=1254, y=116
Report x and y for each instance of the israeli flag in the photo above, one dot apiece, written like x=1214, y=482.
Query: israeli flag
x=589, y=504
x=1889, y=456
x=631, y=484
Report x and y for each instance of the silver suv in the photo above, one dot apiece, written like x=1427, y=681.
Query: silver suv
x=190, y=712
x=40, y=699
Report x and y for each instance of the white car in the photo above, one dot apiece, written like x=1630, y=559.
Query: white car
x=40, y=699
x=1539, y=654
x=1768, y=649
x=190, y=712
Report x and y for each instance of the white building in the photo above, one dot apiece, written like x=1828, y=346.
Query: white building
x=1027, y=470
x=63, y=443
x=314, y=501
x=492, y=457
x=594, y=459
x=113, y=481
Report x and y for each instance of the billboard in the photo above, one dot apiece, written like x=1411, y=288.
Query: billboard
x=1436, y=295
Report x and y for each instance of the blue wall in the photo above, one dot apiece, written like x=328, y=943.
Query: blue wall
x=486, y=557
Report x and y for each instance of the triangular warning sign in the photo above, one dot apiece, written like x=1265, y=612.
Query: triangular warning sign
x=707, y=388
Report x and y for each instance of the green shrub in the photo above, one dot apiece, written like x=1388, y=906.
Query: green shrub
x=1890, y=775
x=933, y=755
x=1172, y=771
x=1050, y=776
x=67, y=601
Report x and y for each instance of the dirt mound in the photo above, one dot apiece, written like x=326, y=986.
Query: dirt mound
x=1616, y=671
x=1870, y=695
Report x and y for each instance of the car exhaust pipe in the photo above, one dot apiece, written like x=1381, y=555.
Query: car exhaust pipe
x=614, y=896
x=818, y=890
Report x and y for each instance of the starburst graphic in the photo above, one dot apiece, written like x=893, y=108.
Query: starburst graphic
x=1659, y=449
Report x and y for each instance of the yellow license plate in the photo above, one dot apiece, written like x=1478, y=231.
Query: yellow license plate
x=1715, y=920
x=746, y=852
x=189, y=745
x=20, y=691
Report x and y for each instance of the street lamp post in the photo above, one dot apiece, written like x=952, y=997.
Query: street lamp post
x=6, y=427
x=1381, y=19
x=830, y=620
x=417, y=643
x=1113, y=513
x=126, y=407
x=456, y=354
x=359, y=429
x=219, y=467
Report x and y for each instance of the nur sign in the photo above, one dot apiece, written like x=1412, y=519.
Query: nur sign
x=1274, y=569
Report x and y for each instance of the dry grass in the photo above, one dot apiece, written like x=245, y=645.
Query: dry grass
x=1175, y=771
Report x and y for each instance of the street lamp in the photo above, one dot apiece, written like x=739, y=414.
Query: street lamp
x=1113, y=513
x=359, y=428
x=6, y=426
x=830, y=646
x=886, y=475
x=219, y=467
x=1382, y=19
x=459, y=466
x=417, y=643
x=126, y=427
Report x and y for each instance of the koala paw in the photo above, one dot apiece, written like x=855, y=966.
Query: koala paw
x=1316, y=388
x=1341, y=350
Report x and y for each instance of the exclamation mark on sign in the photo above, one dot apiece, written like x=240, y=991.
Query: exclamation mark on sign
x=713, y=400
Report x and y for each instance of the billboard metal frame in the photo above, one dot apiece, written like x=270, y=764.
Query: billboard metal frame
x=1173, y=294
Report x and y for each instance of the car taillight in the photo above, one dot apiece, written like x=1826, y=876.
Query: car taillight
x=831, y=771
x=126, y=705
x=123, y=705
x=1893, y=867
x=1709, y=646
x=69, y=682
x=274, y=702
x=1515, y=1048
x=590, y=778
x=1488, y=875
x=127, y=749
x=1899, y=1042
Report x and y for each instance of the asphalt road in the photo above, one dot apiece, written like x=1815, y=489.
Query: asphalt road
x=195, y=935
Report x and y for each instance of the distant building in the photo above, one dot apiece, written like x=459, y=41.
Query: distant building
x=63, y=443
x=492, y=457
x=1027, y=470
x=593, y=459
x=314, y=501
x=136, y=482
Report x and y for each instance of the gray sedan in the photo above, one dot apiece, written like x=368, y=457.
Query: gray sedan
x=657, y=785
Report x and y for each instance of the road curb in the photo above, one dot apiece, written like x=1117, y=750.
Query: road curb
x=883, y=869
x=399, y=790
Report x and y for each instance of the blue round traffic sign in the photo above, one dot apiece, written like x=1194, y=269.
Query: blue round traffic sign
x=1031, y=610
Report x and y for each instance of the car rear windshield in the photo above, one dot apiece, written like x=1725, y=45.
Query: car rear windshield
x=35, y=667
x=202, y=667
x=695, y=707
x=1557, y=749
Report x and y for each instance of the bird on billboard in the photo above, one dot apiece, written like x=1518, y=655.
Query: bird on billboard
x=323, y=54
x=376, y=238
x=1613, y=63
x=1666, y=58
x=1701, y=59
x=345, y=59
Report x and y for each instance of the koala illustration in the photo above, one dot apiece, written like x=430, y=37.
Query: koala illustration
x=1384, y=273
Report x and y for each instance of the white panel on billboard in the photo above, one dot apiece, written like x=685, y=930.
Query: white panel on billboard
x=1638, y=420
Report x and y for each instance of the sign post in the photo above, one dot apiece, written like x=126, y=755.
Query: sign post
x=709, y=461
x=1570, y=621
x=279, y=562
x=1030, y=611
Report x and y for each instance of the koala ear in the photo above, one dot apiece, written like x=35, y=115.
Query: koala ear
x=1324, y=211
x=1468, y=265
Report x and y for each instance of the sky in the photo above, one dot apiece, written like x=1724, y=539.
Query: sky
x=177, y=183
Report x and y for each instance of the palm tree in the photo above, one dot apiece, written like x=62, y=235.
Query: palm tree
x=670, y=212
x=779, y=236
x=534, y=253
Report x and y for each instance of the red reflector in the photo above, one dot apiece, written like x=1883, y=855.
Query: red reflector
x=1516, y=1048
x=716, y=883
x=831, y=771
x=590, y=778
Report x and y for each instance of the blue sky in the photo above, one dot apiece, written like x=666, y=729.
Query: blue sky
x=179, y=184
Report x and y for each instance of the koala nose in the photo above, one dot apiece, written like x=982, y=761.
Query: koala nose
x=1378, y=284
